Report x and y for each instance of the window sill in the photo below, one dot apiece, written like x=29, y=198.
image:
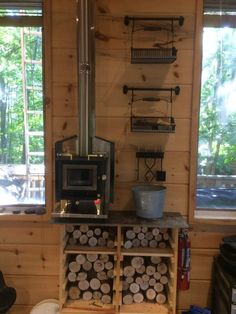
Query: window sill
x=8, y=215
x=215, y=217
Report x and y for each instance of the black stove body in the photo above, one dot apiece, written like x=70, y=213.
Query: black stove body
x=84, y=184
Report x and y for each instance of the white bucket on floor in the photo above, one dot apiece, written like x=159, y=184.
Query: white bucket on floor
x=49, y=306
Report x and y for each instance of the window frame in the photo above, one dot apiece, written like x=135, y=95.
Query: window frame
x=45, y=22
x=205, y=216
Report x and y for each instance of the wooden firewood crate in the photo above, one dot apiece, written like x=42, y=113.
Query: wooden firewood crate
x=112, y=276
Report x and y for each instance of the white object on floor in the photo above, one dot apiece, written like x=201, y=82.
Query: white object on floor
x=49, y=306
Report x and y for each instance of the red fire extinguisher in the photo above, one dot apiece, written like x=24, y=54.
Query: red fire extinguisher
x=183, y=279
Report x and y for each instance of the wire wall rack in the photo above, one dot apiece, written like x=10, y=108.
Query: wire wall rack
x=165, y=51
x=164, y=123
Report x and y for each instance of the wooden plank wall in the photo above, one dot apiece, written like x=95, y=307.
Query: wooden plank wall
x=29, y=252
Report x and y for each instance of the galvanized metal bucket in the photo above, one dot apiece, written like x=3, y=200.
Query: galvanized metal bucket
x=149, y=200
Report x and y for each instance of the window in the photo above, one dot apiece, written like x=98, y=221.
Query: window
x=216, y=162
x=21, y=106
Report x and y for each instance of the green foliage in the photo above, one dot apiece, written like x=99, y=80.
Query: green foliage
x=217, y=125
x=12, y=132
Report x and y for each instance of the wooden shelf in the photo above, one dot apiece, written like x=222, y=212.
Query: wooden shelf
x=89, y=307
x=144, y=309
x=167, y=252
x=75, y=249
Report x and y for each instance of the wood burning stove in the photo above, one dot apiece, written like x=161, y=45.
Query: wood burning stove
x=84, y=185
x=84, y=164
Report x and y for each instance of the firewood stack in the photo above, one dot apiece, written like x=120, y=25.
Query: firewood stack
x=92, y=236
x=144, y=280
x=142, y=236
x=90, y=277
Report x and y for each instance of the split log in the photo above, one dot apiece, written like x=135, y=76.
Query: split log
x=153, y=243
x=139, y=280
x=137, y=229
x=89, y=233
x=92, y=257
x=158, y=237
x=101, y=242
x=106, y=299
x=149, y=235
x=128, y=299
x=105, y=288
x=92, y=241
x=128, y=244
x=110, y=273
x=166, y=236
x=140, y=270
x=72, y=241
x=70, y=228
x=160, y=298
x=97, y=231
x=144, y=285
x=81, y=276
x=134, y=287
x=80, y=259
x=104, y=258
x=138, y=297
x=102, y=275
x=83, y=239
x=137, y=261
x=83, y=285
x=84, y=228
x=130, y=235
x=152, y=282
x=157, y=275
x=97, y=295
x=150, y=294
x=110, y=244
x=95, y=284
x=144, y=243
x=162, y=245
x=140, y=235
x=164, y=280
x=155, y=231
x=144, y=229
x=98, y=266
x=105, y=235
x=129, y=280
x=72, y=276
x=74, y=293
x=109, y=265
x=136, y=242
x=150, y=270
x=158, y=287
x=162, y=268
x=87, y=266
x=145, y=278
x=155, y=259
x=87, y=296
x=74, y=266
x=76, y=234
x=129, y=271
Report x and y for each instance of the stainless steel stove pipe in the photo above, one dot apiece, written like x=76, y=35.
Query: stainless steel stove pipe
x=86, y=74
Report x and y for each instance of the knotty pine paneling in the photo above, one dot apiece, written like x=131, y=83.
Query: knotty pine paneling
x=33, y=289
x=111, y=102
x=28, y=233
x=29, y=259
x=20, y=309
x=148, y=7
x=198, y=294
x=176, y=199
